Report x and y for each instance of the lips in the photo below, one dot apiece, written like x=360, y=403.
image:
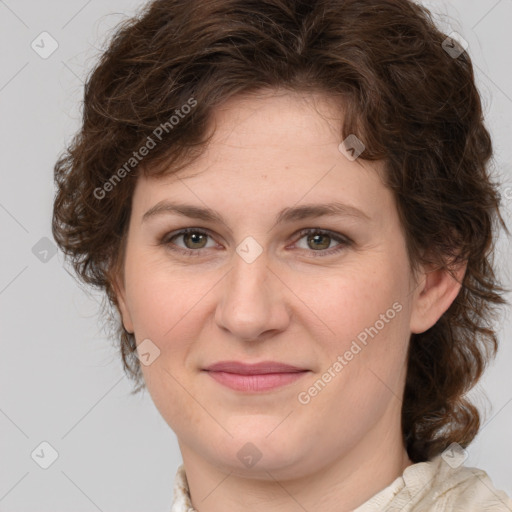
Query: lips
x=262, y=368
x=254, y=378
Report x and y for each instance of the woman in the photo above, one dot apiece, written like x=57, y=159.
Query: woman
x=288, y=204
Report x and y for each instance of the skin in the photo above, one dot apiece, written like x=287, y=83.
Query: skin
x=271, y=151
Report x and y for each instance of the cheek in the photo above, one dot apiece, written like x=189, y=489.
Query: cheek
x=363, y=317
x=364, y=325
x=350, y=301
x=164, y=304
x=160, y=297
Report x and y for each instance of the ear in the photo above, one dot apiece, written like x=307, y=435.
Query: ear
x=120, y=291
x=435, y=292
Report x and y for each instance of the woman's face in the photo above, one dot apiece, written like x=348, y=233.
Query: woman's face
x=337, y=301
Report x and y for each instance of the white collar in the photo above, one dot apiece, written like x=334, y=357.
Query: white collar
x=432, y=485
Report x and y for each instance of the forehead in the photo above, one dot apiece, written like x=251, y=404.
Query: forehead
x=271, y=148
x=278, y=122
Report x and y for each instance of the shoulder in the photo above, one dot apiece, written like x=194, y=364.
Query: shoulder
x=461, y=488
x=438, y=486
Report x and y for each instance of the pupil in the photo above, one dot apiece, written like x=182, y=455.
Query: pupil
x=320, y=245
x=195, y=237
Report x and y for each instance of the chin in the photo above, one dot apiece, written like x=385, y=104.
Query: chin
x=258, y=453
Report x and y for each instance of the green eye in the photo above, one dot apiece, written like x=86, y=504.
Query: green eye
x=318, y=241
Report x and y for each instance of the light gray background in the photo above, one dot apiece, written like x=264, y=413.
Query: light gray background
x=60, y=378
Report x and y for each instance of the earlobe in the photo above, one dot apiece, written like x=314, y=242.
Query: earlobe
x=119, y=290
x=435, y=293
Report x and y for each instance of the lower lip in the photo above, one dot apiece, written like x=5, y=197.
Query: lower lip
x=261, y=382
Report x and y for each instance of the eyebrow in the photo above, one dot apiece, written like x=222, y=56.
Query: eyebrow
x=290, y=214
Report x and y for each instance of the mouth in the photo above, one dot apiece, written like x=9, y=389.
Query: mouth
x=257, y=377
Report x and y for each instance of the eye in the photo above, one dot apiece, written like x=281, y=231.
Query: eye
x=317, y=241
x=320, y=240
x=193, y=238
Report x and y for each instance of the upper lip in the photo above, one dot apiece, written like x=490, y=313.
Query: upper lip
x=253, y=369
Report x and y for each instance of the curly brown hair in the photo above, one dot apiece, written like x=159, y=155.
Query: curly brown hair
x=413, y=103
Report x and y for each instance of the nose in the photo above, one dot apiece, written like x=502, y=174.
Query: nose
x=252, y=300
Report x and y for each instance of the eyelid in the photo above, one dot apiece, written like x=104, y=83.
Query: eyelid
x=333, y=234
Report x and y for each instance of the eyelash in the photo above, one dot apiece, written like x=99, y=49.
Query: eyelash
x=343, y=241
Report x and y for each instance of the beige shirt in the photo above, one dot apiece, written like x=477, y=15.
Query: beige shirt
x=432, y=486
